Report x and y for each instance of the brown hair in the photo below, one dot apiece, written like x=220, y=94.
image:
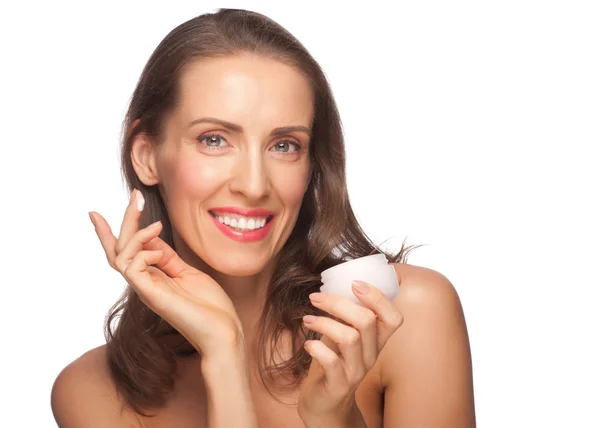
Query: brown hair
x=326, y=233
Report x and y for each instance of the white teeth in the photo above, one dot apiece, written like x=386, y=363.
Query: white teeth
x=250, y=223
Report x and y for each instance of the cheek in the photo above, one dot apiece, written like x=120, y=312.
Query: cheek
x=291, y=186
x=196, y=176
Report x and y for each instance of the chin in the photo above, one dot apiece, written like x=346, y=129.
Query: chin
x=242, y=266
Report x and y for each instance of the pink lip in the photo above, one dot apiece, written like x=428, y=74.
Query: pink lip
x=254, y=235
x=257, y=212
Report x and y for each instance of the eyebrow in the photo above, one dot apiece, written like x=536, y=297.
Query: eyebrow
x=237, y=128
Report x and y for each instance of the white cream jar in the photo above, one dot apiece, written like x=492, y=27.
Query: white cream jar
x=373, y=269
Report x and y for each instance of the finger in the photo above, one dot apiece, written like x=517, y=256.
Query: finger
x=348, y=341
x=335, y=375
x=107, y=239
x=140, y=278
x=135, y=245
x=389, y=317
x=170, y=263
x=130, y=226
x=361, y=318
x=331, y=344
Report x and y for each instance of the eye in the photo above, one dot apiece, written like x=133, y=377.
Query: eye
x=211, y=142
x=286, y=144
x=212, y=138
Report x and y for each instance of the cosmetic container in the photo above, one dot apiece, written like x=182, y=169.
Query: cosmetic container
x=373, y=269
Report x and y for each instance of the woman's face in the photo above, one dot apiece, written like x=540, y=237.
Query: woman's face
x=206, y=168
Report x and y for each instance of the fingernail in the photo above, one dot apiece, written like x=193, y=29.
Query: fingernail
x=360, y=287
x=92, y=218
x=156, y=223
x=316, y=297
x=140, y=200
x=309, y=318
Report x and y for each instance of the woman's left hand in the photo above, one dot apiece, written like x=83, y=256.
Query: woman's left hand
x=344, y=355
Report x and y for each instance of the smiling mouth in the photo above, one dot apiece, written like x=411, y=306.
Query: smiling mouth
x=269, y=218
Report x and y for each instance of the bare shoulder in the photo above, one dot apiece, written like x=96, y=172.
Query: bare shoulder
x=431, y=308
x=426, y=369
x=84, y=395
x=419, y=284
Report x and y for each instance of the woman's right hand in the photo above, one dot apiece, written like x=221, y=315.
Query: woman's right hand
x=188, y=299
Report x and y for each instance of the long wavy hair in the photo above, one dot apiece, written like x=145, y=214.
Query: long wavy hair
x=141, y=346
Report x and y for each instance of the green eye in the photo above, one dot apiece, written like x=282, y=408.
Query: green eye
x=211, y=138
x=287, y=143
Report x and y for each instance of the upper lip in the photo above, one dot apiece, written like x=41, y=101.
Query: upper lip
x=246, y=212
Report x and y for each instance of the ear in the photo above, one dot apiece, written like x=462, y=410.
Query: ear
x=143, y=158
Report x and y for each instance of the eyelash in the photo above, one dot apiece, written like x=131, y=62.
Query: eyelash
x=206, y=136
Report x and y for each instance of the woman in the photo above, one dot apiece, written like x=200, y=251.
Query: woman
x=233, y=150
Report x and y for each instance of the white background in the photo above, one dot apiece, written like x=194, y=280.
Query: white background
x=471, y=126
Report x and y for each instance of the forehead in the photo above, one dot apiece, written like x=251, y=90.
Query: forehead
x=247, y=89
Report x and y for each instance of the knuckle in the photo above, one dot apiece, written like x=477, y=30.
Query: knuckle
x=397, y=319
x=140, y=254
x=367, y=320
x=140, y=258
x=352, y=338
x=126, y=272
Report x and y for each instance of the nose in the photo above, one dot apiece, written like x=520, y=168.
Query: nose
x=250, y=176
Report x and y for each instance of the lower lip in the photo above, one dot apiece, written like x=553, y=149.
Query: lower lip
x=250, y=236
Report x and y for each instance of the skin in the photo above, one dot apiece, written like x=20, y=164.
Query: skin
x=249, y=170
x=212, y=280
